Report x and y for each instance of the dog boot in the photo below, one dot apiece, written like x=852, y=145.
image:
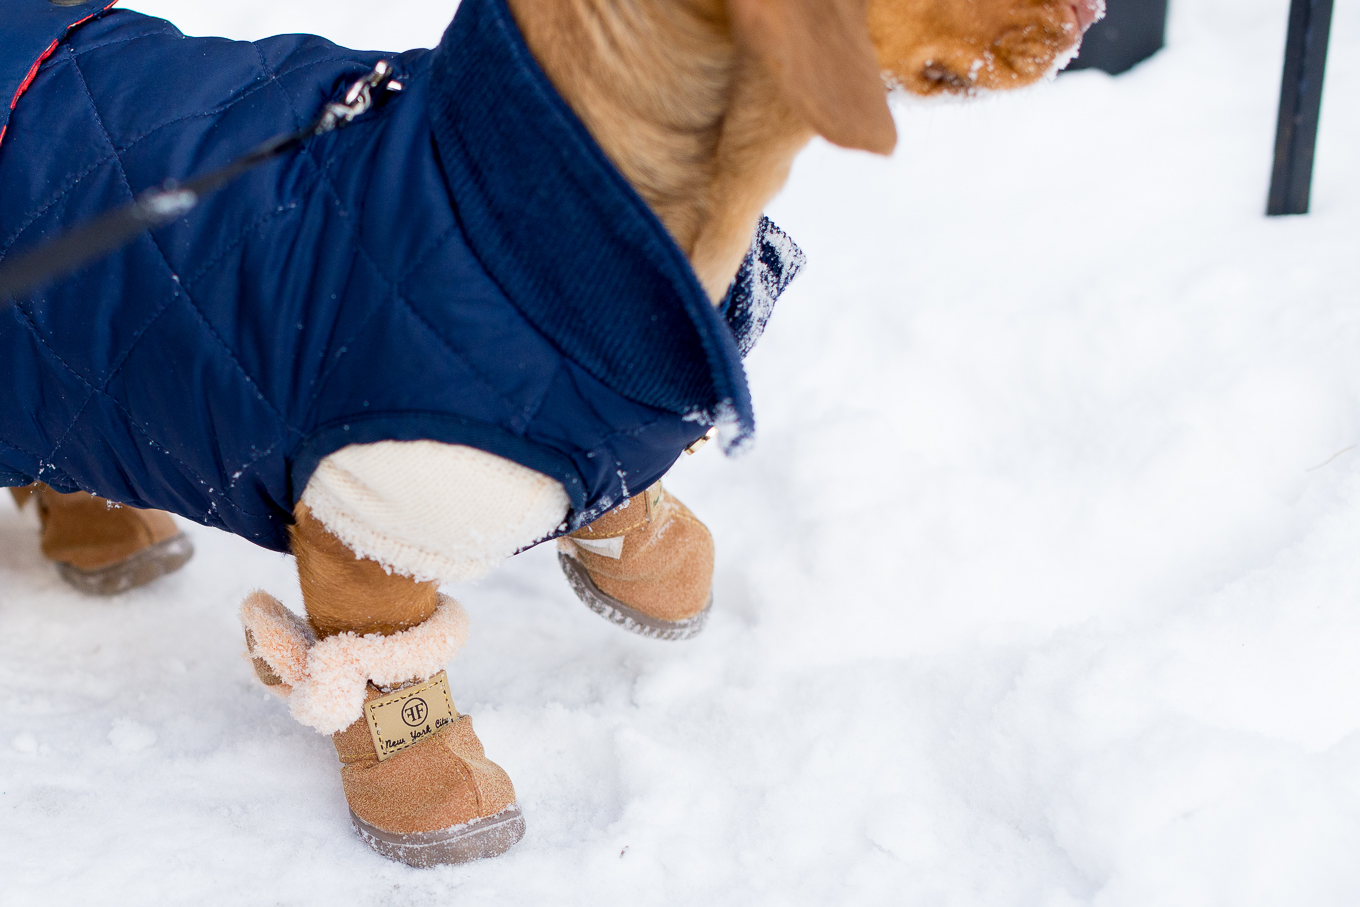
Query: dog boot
x=103, y=548
x=420, y=788
x=646, y=565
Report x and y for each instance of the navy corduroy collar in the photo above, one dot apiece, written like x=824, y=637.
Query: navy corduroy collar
x=575, y=249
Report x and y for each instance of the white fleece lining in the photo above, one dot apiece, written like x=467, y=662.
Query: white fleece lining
x=328, y=679
x=433, y=511
x=612, y=548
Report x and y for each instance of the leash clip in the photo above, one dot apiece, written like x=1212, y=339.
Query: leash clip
x=358, y=100
x=173, y=200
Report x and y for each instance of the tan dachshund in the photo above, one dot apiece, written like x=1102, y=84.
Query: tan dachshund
x=702, y=105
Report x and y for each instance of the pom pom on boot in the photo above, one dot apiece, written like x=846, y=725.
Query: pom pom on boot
x=646, y=565
x=420, y=788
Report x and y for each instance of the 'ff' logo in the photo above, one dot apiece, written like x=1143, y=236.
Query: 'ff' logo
x=414, y=712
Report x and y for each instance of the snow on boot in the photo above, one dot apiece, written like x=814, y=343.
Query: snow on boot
x=103, y=548
x=646, y=565
x=420, y=788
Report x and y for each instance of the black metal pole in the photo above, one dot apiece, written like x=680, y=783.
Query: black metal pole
x=1305, y=61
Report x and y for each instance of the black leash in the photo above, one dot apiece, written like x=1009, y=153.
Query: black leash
x=172, y=200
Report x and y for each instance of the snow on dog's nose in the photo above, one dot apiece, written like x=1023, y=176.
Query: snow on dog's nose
x=932, y=47
x=1089, y=12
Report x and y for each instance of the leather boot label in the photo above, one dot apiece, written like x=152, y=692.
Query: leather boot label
x=410, y=715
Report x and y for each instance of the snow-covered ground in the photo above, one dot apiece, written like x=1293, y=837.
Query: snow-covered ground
x=1042, y=586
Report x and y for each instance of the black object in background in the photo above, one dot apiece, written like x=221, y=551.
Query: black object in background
x=1305, y=61
x=1131, y=31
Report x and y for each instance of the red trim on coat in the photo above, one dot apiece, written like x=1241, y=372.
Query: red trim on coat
x=51, y=48
x=33, y=71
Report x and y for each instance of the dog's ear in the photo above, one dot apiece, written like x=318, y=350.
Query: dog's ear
x=824, y=64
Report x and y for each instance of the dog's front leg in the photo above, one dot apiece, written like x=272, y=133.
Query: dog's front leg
x=367, y=667
x=646, y=565
x=345, y=593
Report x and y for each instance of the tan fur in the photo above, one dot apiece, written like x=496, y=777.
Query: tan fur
x=343, y=593
x=823, y=62
x=653, y=82
x=958, y=46
x=703, y=105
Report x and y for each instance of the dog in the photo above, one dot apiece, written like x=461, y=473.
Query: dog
x=491, y=312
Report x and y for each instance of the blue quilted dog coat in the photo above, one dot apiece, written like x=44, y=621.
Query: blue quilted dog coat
x=462, y=264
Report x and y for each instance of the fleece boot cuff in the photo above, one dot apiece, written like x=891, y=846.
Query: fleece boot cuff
x=326, y=681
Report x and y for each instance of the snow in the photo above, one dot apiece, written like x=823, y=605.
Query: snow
x=1040, y=586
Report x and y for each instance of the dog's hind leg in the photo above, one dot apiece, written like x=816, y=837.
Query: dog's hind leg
x=419, y=785
x=103, y=548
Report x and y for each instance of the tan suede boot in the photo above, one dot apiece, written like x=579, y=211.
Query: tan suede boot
x=102, y=548
x=646, y=565
x=440, y=801
x=420, y=788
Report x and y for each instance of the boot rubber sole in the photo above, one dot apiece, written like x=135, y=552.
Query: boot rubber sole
x=475, y=840
x=137, y=570
x=631, y=619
